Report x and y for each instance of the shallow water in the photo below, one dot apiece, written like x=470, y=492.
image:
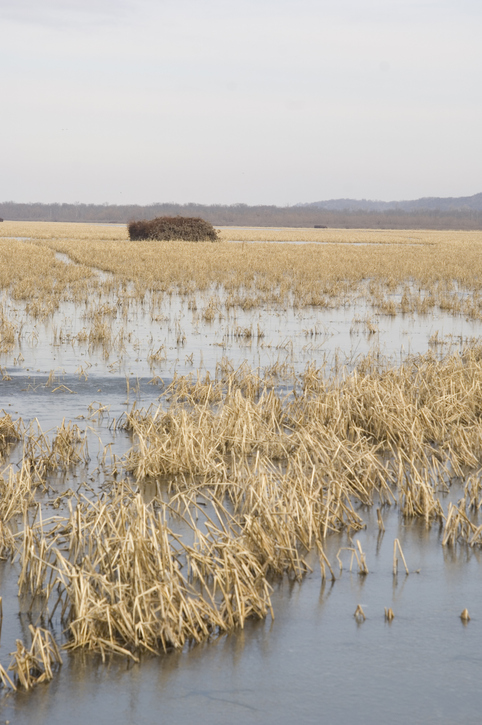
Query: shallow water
x=188, y=342
x=331, y=243
x=313, y=663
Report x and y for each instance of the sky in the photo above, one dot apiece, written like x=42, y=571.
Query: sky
x=254, y=101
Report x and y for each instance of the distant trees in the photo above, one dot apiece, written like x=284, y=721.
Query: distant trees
x=243, y=215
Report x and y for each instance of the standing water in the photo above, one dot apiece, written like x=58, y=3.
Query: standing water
x=100, y=364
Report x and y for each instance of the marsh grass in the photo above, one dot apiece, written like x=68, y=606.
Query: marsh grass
x=253, y=469
x=32, y=666
x=395, y=275
x=248, y=484
x=68, y=448
x=8, y=331
x=10, y=433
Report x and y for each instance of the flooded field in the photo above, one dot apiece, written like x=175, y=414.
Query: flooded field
x=225, y=466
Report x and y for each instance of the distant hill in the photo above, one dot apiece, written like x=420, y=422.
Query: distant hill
x=427, y=203
x=428, y=213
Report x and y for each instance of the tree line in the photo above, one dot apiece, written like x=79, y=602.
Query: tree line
x=245, y=215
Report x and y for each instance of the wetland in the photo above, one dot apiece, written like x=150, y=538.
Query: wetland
x=209, y=453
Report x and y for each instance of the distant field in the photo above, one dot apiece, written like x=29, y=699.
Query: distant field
x=333, y=265
x=118, y=232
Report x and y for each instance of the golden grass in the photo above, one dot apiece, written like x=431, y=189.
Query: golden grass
x=347, y=236
x=389, y=270
x=59, y=230
x=31, y=273
x=162, y=265
x=10, y=433
x=111, y=232
x=32, y=666
x=249, y=482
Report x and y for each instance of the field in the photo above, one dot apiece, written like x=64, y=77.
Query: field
x=188, y=429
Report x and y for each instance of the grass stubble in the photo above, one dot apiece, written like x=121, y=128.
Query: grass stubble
x=248, y=481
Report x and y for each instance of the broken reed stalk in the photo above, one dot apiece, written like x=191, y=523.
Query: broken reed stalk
x=465, y=616
x=356, y=553
x=381, y=525
x=32, y=666
x=389, y=615
x=362, y=559
x=10, y=433
x=359, y=614
x=397, y=545
x=6, y=681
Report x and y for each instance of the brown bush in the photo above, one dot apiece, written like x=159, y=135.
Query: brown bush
x=166, y=228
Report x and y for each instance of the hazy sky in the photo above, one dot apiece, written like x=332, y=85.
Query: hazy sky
x=255, y=101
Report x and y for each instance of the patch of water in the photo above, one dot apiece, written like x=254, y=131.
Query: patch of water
x=164, y=338
x=313, y=662
x=331, y=243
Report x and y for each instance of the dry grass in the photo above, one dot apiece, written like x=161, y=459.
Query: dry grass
x=409, y=271
x=10, y=433
x=394, y=272
x=32, y=666
x=31, y=273
x=406, y=237
x=248, y=481
x=67, y=449
x=8, y=331
x=59, y=230
x=109, y=232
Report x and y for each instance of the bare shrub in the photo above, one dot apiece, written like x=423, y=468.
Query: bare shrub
x=166, y=228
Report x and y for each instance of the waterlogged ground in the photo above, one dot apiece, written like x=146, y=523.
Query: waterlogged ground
x=315, y=662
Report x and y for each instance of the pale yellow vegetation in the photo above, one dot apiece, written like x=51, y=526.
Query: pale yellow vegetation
x=408, y=272
x=245, y=483
x=427, y=270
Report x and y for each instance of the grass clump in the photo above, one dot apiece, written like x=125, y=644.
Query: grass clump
x=166, y=228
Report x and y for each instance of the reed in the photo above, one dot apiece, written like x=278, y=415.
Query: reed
x=359, y=614
x=10, y=433
x=37, y=664
x=253, y=468
x=256, y=481
x=405, y=277
x=389, y=615
x=397, y=545
x=122, y=584
x=68, y=448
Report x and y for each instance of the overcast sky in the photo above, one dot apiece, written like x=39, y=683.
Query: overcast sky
x=258, y=101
